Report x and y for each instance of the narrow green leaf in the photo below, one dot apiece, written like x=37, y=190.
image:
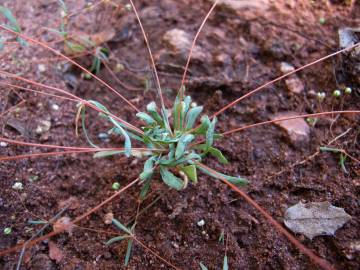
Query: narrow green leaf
x=187, y=102
x=10, y=17
x=191, y=172
x=127, y=143
x=75, y=47
x=145, y=189
x=203, y=267
x=182, y=144
x=205, y=123
x=210, y=133
x=37, y=222
x=151, y=108
x=116, y=239
x=342, y=163
x=170, y=179
x=234, y=180
x=63, y=6
x=102, y=154
x=191, y=117
x=148, y=169
x=128, y=252
x=83, y=124
x=146, y=118
x=120, y=226
x=218, y=154
x=225, y=265
x=330, y=149
x=2, y=44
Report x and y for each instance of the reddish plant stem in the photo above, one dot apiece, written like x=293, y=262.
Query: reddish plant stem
x=44, y=45
x=39, y=92
x=59, y=153
x=193, y=45
x=319, y=261
x=85, y=102
x=150, y=54
x=280, y=78
x=76, y=220
x=289, y=118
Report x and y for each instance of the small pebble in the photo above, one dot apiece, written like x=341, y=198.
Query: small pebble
x=18, y=186
x=201, y=223
x=3, y=144
x=41, y=68
x=55, y=107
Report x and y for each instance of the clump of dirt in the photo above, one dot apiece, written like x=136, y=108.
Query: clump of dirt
x=238, y=50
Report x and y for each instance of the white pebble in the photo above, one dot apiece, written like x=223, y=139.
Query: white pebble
x=55, y=107
x=3, y=144
x=41, y=67
x=18, y=186
x=201, y=223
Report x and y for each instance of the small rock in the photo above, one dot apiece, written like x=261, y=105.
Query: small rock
x=201, y=223
x=103, y=136
x=63, y=224
x=175, y=245
x=17, y=186
x=43, y=126
x=55, y=253
x=108, y=218
x=238, y=5
x=223, y=59
x=180, y=42
x=286, y=68
x=55, y=107
x=3, y=144
x=298, y=130
x=71, y=203
x=41, y=68
x=42, y=261
x=294, y=85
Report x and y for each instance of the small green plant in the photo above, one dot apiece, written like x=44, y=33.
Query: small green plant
x=176, y=152
x=342, y=156
x=80, y=44
x=129, y=234
x=337, y=93
x=12, y=24
x=115, y=186
x=7, y=231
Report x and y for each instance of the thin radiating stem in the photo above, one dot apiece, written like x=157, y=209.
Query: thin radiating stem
x=85, y=102
x=44, y=45
x=319, y=261
x=76, y=220
x=280, y=78
x=193, y=45
x=150, y=55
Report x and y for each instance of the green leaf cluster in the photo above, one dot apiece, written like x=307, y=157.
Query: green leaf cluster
x=173, y=153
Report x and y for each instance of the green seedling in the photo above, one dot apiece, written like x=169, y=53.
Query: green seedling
x=12, y=24
x=348, y=91
x=225, y=264
x=320, y=96
x=7, y=231
x=337, y=93
x=81, y=44
x=173, y=152
x=115, y=186
x=342, y=156
x=129, y=235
